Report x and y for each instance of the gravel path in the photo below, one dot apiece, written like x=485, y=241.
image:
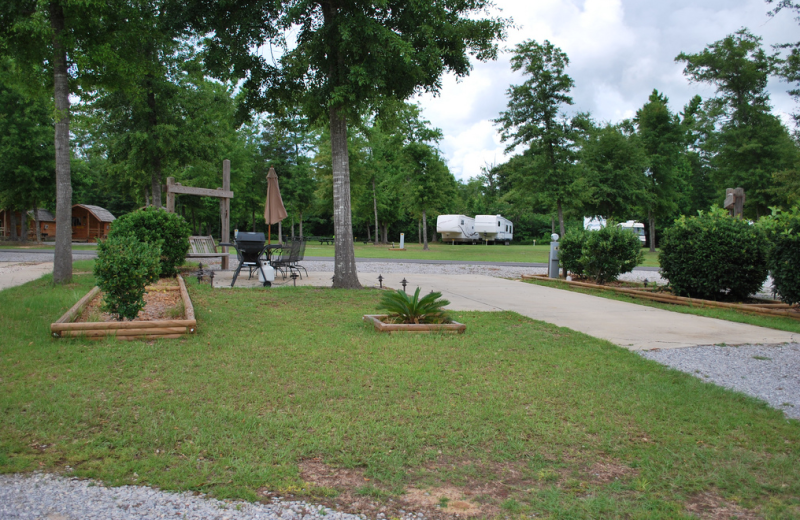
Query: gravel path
x=51, y=497
x=768, y=372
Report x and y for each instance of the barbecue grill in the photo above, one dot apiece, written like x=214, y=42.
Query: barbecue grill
x=249, y=248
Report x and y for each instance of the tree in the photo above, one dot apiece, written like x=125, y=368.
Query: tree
x=27, y=168
x=663, y=139
x=533, y=119
x=349, y=55
x=750, y=144
x=430, y=183
x=789, y=69
x=613, y=162
x=68, y=39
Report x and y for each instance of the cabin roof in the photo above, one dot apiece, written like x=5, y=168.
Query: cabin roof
x=43, y=214
x=102, y=214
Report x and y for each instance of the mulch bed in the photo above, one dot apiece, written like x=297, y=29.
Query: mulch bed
x=159, y=302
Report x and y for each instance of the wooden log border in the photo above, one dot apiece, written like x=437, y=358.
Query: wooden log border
x=762, y=309
x=422, y=328
x=65, y=327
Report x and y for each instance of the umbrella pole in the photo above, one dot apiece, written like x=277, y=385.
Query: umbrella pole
x=269, y=234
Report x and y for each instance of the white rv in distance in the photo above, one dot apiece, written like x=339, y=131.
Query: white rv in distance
x=494, y=228
x=457, y=228
x=594, y=224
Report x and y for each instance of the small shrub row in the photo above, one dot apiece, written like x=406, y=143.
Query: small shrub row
x=783, y=258
x=156, y=226
x=123, y=268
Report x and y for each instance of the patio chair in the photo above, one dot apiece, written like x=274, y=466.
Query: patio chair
x=280, y=260
x=295, y=264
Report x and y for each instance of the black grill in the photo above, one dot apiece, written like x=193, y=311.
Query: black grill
x=250, y=246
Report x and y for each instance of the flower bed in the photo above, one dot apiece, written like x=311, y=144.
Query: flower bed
x=381, y=326
x=73, y=324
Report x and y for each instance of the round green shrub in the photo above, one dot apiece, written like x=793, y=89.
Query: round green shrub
x=783, y=258
x=570, y=250
x=123, y=268
x=610, y=252
x=713, y=256
x=157, y=227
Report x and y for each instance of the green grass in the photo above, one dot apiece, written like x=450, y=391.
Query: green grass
x=545, y=420
x=771, y=322
x=439, y=251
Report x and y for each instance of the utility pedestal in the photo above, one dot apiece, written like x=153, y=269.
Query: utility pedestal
x=552, y=271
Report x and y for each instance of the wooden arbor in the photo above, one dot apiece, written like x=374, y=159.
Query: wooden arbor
x=224, y=194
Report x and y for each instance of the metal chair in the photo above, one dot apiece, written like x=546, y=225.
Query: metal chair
x=294, y=264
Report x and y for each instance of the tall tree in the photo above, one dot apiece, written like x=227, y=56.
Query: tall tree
x=429, y=183
x=534, y=120
x=349, y=55
x=750, y=144
x=663, y=140
x=69, y=40
x=27, y=167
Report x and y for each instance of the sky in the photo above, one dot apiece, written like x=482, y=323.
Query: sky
x=619, y=51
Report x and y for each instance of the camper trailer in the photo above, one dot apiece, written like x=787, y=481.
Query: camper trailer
x=457, y=228
x=494, y=228
x=595, y=224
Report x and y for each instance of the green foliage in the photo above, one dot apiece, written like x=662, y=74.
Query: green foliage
x=402, y=309
x=602, y=255
x=714, y=256
x=783, y=232
x=158, y=227
x=570, y=250
x=123, y=268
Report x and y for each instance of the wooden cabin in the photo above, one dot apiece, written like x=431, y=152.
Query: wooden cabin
x=47, y=224
x=90, y=223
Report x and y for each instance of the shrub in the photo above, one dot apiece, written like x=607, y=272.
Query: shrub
x=403, y=309
x=602, y=255
x=123, y=268
x=157, y=227
x=570, y=250
x=783, y=257
x=714, y=256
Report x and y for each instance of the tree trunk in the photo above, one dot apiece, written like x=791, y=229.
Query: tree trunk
x=23, y=226
x=385, y=233
x=155, y=179
x=253, y=220
x=560, y=218
x=62, y=263
x=301, y=225
x=652, y=231
x=552, y=224
x=419, y=232
x=292, y=227
x=12, y=219
x=38, y=227
x=369, y=235
x=425, y=230
x=375, y=208
x=345, y=275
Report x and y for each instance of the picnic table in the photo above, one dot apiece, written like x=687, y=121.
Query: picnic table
x=324, y=240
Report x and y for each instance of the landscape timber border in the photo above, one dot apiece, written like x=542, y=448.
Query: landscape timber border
x=65, y=327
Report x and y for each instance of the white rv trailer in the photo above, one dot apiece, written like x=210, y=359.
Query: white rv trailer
x=594, y=224
x=457, y=228
x=494, y=228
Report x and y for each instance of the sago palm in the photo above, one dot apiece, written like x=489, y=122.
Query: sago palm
x=403, y=309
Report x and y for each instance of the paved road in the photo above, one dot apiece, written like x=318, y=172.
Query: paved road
x=628, y=325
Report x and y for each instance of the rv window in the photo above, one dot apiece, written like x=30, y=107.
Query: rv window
x=498, y=224
x=462, y=222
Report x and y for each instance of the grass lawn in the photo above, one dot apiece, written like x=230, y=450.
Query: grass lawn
x=772, y=322
x=286, y=391
x=439, y=251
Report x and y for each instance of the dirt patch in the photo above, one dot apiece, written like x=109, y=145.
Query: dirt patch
x=160, y=304
x=607, y=471
x=711, y=506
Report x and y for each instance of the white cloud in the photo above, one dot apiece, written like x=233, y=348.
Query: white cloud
x=620, y=50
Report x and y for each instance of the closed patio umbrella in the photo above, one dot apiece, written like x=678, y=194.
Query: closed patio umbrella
x=274, y=211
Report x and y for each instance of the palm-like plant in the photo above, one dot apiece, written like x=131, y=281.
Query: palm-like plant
x=403, y=309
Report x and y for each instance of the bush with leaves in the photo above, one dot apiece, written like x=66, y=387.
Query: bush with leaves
x=403, y=309
x=158, y=227
x=123, y=268
x=602, y=255
x=570, y=251
x=714, y=256
x=783, y=259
